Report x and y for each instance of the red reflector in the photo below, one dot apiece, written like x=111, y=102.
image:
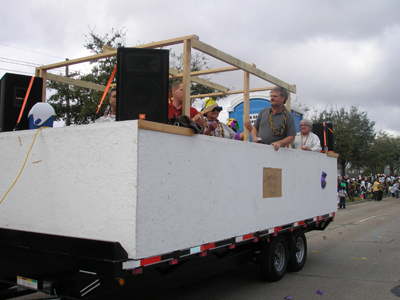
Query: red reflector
x=232, y=246
x=248, y=236
x=149, y=261
x=207, y=247
x=276, y=229
x=255, y=240
x=301, y=222
x=173, y=262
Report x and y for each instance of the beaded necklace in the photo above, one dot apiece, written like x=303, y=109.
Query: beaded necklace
x=216, y=132
x=302, y=144
x=272, y=124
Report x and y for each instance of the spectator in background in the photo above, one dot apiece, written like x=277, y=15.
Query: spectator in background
x=381, y=188
x=395, y=188
x=368, y=189
x=375, y=189
x=352, y=190
x=342, y=194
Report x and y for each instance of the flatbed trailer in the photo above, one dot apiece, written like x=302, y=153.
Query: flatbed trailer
x=130, y=208
x=79, y=228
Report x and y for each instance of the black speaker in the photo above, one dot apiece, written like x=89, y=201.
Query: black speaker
x=142, y=84
x=13, y=88
x=319, y=129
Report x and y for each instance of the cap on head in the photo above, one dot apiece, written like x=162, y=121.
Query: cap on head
x=209, y=102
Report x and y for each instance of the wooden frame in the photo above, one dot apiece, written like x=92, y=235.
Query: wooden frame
x=189, y=42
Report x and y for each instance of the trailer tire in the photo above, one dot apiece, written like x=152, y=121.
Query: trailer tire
x=297, y=251
x=274, y=258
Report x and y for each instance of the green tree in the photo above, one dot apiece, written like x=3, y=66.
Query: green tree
x=353, y=134
x=373, y=155
x=76, y=105
x=385, y=152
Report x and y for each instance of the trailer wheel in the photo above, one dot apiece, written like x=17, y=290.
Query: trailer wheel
x=274, y=259
x=298, y=251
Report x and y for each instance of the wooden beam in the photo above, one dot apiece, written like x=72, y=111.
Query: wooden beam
x=169, y=42
x=107, y=48
x=80, y=83
x=144, y=124
x=187, y=57
x=205, y=48
x=175, y=74
x=208, y=71
x=231, y=92
x=80, y=60
x=111, y=53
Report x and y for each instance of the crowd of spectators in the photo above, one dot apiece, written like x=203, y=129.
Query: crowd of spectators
x=370, y=187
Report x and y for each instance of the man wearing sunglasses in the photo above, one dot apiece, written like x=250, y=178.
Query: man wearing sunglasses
x=275, y=125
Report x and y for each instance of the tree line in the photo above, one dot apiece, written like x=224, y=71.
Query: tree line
x=358, y=145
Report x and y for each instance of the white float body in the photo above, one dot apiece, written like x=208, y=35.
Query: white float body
x=154, y=192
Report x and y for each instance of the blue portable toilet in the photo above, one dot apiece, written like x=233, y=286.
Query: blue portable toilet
x=259, y=101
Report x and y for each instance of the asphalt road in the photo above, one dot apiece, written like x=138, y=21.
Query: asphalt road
x=356, y=257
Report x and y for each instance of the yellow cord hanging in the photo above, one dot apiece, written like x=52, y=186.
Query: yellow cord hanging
x=23, y=164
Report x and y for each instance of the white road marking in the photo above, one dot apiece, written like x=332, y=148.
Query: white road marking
x=366, y=219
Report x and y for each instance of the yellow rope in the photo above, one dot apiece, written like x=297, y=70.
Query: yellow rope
x=23, y=164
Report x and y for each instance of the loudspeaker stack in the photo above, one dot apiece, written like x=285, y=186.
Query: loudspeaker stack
x=13, y=88
x=142, y=84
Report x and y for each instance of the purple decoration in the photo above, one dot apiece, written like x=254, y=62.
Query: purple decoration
x=319, y=292
x=323, y=182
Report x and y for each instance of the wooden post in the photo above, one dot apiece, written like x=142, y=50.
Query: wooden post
x=246, y=104
x=288, y=102
x=289, y=108
x=187, y=56
x=42, y=73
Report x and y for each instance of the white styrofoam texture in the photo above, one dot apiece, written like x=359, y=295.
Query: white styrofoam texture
x=154, y=192
x=197, y=190
x=78, y=181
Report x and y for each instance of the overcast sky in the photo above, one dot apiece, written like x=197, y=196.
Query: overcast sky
x=336, y=52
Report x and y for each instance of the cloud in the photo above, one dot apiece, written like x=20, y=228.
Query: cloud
x=337, y=52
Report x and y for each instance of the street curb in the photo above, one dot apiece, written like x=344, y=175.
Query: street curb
x=363, y=201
